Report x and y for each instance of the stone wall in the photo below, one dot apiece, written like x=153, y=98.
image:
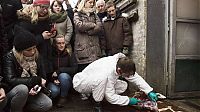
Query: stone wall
x=139, y=31
x=139, y=36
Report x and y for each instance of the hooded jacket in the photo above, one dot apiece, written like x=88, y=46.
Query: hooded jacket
x=118, y=33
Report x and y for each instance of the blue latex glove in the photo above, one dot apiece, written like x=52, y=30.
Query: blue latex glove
x=153, y=96
x=133, y=101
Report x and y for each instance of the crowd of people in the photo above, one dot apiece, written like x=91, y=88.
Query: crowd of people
x=48, y=48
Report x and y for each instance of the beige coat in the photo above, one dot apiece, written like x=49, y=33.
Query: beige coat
x=87, y=28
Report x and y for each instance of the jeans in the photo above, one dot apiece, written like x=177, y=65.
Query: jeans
x=38, y=103
x=3, y=104
x=64, y=86
x=19, y=99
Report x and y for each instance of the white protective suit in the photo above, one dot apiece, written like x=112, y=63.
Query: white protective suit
x=101, y=79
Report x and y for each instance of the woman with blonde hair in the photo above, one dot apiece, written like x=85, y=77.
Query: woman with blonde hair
x=24, y=73
x=35, y=18
x=87, y=27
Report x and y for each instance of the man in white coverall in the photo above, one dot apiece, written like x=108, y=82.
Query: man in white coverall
x=101, y=79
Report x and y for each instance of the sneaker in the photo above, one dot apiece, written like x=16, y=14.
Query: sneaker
x=84, y=96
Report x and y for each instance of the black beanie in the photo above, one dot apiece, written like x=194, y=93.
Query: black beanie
x=23, y=39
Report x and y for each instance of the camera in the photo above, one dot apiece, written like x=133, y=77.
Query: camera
x=53, y=28
x=37, y=88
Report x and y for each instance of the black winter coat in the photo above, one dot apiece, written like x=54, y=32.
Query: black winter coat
x=9, y=10
x=63, y=62
x=12, y=72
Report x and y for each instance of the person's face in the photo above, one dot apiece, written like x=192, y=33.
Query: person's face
x=42, y=10
x=101, y=8
x=89, y=4
x=56, y=7
x=29, y=52
x=111, y=11
x=60, y=43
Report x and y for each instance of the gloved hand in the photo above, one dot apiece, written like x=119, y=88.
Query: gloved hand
x=103, y=52
x=133, y=101
x=153, y=96
x=125, y=50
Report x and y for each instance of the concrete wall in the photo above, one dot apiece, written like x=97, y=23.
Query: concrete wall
x=139, y=30
x=139, y=36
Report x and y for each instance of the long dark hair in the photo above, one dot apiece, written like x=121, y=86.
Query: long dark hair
x=59, y=3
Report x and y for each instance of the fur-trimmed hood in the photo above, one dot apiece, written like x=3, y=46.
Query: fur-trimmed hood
x=118, y=15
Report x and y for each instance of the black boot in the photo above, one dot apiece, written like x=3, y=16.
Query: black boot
x=61, y=102
x=98, y=107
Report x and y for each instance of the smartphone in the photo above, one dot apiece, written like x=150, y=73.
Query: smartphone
x=37, y=88
x=53, y=28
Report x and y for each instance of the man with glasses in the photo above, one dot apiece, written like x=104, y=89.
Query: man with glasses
x=100, y=78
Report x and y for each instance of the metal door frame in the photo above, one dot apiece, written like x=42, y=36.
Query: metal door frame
x=172, y=55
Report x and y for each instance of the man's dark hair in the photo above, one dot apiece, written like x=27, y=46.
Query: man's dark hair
x=126, y=64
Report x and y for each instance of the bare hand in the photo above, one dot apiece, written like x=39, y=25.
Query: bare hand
x=32, y=92
x=54, y=74
x=43, y=82
x=2, y=94
x=57, y=82
x=53, y=34
x=48, y=35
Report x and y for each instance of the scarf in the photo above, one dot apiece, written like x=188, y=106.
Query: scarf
x=88, y=11
x=58, y=17
x=28, y=64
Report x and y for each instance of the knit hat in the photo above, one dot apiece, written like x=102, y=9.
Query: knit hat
x=41, y=2
x=23, y=39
